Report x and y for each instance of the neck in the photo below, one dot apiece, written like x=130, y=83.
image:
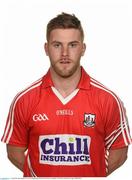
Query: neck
x=66, y=85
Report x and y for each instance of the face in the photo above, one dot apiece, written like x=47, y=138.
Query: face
x=65, y=48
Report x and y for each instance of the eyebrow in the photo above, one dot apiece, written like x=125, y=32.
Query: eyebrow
x=68, y=42
x=55, y=42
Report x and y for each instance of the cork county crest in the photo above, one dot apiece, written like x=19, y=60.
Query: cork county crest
x=89, y=120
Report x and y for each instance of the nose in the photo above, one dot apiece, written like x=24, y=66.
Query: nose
x=65, y=51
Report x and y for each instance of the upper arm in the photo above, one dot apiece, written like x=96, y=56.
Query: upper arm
x=14, y=151
x=118, y=154
x=16, y=129
x=116, y=158
x=16, y=155
x=117, y=133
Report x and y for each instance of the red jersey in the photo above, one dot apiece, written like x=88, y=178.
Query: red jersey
x=67, y=137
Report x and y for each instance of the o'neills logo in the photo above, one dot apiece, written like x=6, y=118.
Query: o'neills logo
x=64, y=149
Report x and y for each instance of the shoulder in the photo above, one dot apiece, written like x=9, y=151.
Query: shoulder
x=104, y=93
x=28, y=94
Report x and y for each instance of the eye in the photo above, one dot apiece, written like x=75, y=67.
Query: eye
x=56, y=45
x=73, y=45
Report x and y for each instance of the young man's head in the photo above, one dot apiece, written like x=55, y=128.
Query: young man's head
x=64, y=45
x=64, y=21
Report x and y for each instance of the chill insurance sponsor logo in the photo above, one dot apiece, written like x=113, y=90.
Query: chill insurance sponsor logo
x=64, y=149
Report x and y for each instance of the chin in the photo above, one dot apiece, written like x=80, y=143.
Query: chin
x=65, y=72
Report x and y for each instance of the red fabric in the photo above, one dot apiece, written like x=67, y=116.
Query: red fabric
x=80, y=131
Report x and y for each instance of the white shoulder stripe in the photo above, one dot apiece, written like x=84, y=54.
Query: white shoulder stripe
x=9, y=128
x=121, y=110
x=114, y=132
x=97, y=82
x=112, y=141
x=111, y=138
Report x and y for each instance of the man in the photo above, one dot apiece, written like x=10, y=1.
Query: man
x=66, y=124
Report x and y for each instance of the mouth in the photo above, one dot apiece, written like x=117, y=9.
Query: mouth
x=65, y=61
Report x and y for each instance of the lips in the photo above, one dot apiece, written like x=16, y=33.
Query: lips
x=65, y=61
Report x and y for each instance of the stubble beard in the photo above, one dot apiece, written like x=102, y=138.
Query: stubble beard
x=65, y=72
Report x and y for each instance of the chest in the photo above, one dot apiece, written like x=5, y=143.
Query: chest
x=78, y=114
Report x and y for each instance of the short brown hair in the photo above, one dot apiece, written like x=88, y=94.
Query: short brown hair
x=64, y=21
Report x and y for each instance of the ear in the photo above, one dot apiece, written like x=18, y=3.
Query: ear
x=83, y=49
x=46, y=49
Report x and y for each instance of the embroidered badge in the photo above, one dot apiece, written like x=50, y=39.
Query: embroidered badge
x=89, y=120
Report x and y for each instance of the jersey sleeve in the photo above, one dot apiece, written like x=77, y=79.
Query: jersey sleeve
x=117, y=132
x=16, y=129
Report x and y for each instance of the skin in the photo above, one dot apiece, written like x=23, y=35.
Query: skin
x=16, y=155
x=65, y=49
x=116, y=159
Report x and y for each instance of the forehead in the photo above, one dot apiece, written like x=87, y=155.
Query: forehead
x=65, y=35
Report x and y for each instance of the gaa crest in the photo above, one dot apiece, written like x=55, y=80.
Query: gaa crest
x=89, y=120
